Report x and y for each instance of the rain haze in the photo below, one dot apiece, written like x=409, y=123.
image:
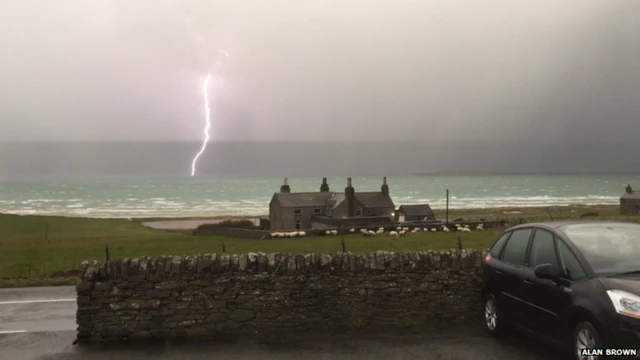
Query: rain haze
x=114, y=88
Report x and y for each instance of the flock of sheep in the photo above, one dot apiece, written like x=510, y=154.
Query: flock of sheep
x=293, y=234
x=400, y=231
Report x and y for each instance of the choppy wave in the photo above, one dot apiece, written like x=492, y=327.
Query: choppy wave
x=251, y=196
x=174, y=208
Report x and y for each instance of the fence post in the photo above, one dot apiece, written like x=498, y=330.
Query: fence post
x=344, y=247
x=106, y=252
x=460, y=242
x=224, y=248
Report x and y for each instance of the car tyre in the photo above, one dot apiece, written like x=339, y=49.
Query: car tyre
x=585, y=336
x=492, y=322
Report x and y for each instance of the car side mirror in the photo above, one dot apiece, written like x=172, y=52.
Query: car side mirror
x=546, y=271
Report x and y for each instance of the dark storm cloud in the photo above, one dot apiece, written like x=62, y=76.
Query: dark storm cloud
x=532, y=85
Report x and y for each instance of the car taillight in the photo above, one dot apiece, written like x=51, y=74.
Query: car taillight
x=488, y=258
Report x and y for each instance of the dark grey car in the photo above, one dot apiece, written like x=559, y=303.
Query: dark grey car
x=573, y=284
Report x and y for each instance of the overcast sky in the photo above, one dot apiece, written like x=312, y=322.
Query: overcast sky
x=315, y=70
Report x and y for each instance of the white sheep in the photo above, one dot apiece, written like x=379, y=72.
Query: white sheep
x=434, y=229
x=393, y=233
x=367, y=233
x=465, y=226
x=372, y=233
x=334, y=232
x=459, y=228
x=363, y=231
x=445, y=229
x=479, y=228
x=406, y=229
x=466, y=230
x=398, y=228
x=327, y=232
x=402, y=233
x=380, y=231
x=302, y=233
x=415, y=230
x=457, y=225
x=352, y=230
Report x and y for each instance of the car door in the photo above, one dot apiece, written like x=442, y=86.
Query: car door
x=545, y=300
x=509, y=271
x=493, y=269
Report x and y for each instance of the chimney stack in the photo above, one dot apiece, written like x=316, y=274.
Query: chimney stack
x=285, y=187
x=384, y=188
x=324, y=187
x=350, y=194
x=629, y=190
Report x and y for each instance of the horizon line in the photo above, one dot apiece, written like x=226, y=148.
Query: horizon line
x=314, y=141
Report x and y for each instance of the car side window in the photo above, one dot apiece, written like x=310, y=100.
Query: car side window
x=496, y=249
x=570, y=266
x=516, y=247
x=543, y=249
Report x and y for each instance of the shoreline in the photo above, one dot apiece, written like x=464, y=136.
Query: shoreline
x=504, y=211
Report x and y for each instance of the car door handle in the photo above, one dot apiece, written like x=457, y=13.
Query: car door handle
x=498, y=272
x=528, y=282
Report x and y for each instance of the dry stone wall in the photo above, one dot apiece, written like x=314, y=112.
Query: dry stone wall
x=258, y=293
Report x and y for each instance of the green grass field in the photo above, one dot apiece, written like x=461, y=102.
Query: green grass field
x=42, y=250
x=32, y=246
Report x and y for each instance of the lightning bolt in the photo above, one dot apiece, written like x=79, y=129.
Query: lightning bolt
x=207, y=127
x=205, y=91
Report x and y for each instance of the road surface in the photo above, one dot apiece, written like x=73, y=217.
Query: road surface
x=39, y=324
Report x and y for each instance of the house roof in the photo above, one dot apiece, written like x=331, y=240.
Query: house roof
x=305, y=198
x=333, y=199
x=375, y=200
x=416, y=210
x=635, y=195
x=336, y=200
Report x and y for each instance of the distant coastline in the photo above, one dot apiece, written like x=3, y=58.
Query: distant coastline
x=536, y=173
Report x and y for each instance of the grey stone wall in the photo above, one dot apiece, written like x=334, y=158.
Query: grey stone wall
x=271, y=293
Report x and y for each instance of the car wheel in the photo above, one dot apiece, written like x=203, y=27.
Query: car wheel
x=491, y=315
x=585, y=336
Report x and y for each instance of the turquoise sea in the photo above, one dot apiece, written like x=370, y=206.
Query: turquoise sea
x=162, y=197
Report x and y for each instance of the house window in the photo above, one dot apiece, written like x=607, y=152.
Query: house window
x=297, y=211
x=369, y=212
x=317, y=210
x=298, y=225
x=359, y=212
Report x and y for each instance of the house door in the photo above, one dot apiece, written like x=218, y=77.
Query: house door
x=401, y=217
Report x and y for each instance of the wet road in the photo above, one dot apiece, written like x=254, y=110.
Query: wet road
x=47, y=330
x=37, y=309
